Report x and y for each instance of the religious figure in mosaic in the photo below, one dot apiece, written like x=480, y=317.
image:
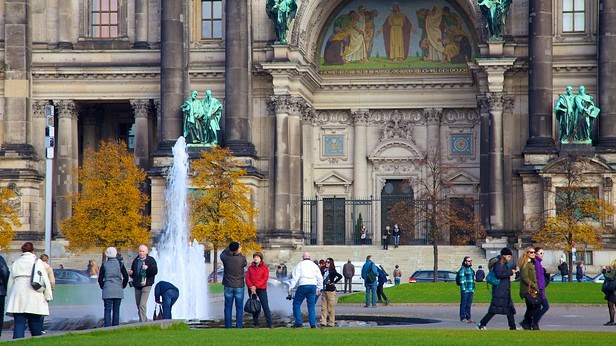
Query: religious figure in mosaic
x=396, y=31
x=495, y=12
x=281, y=12
x=193, y=119
x=575, y=115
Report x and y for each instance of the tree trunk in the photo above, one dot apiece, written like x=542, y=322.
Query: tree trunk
x=215, y=264
x=435, y=252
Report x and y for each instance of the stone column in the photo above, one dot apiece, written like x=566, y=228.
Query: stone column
x=497, y=102
x=237, y=79
x=540, y=133
x=484, y=160
x=607, y=76
x=172, y=61
x=141, y=25
x=38, y=127
x=68, y=12
x=433, y=122
x=360, y=153
x=287, y=178
x=141, y=108
x=89, y=128
x=66, y=159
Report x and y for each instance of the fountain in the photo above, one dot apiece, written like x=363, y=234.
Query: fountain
x=181, y=261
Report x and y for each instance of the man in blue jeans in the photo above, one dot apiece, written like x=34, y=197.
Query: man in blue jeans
x=467, y=289
x=370, y=285
x=233, y=281
x=166, y=293
x=309, y=281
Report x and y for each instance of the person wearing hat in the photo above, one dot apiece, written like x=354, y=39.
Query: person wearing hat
x=501, y=303
x=233, y=281
x=112, y=278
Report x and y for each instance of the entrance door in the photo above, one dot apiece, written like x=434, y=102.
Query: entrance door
x=333, y=221
x=397, y=191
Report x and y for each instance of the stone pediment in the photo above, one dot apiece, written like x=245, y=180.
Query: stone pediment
x=333, y=178
x=463, y=178
x=396, y=150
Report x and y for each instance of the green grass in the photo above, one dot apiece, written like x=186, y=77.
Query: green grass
x=180, y=335
x=215, y=288
x=448, y=292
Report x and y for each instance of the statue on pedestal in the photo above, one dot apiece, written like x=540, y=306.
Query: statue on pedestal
x=575, y=114
x=495, y=12
x=281, y=12
x=201, y=119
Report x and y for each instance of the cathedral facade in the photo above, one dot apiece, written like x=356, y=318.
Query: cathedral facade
x=334, y=121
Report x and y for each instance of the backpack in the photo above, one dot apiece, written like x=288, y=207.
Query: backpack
x=491, y=278
x=370, y=276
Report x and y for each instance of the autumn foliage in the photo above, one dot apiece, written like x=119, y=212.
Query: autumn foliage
x=9, y=218
x=108, y=211
x=221, y=209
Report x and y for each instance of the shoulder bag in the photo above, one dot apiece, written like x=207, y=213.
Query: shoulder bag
x=532, y=298
x=253, y=305
x=37, y=283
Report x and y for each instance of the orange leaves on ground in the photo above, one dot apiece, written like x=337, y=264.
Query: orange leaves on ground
x=108, y=211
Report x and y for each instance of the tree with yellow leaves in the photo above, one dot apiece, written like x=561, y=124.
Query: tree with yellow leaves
x=580, y=216
x=221, y=209
x=9, y=217
x=108, y=211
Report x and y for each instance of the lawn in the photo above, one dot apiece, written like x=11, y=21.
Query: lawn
x=179, y=334
x=448, y=292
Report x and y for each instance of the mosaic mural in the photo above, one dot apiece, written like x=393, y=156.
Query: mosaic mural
x=409, y=36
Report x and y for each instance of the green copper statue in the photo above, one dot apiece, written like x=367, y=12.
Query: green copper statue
x=281, y=12
x=495, y=12
x=575, y=114
x=201, y=119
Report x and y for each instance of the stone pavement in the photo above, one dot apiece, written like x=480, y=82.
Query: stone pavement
x=559, y=317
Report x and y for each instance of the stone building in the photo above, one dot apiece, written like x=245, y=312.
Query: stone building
x=332, y=124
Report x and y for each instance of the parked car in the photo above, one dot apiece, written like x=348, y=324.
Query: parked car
x=428, y=276
x=559, y=278
x=357, y=283
x=219, y=273
x=599, y=278
x=71, y=276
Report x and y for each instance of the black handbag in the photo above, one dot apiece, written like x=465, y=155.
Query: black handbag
x=532, y=298
x=253, y=305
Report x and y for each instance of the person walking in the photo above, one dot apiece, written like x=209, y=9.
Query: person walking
x=386, y=236
x=112, y=279
x=330, y=279
x=26, y=304
x=233, y=281
x=142, y=271
x=563, y=268
x=256, y=281
x=379, y=288
x=4, y=281
x=501, y=303
x=467, y=289
x=396, y=234
x=542, y=282
x=528, y=285
x=480, y=275
x=370, y=274
x=348, y=271
x=397, y=275
x=166, y=294
x=308, y=279
x=610, y=275
x=580, y=271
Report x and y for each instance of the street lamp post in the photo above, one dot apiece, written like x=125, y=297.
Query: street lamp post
x=49, y=149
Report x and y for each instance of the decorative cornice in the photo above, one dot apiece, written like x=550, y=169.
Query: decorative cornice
x=90, y=75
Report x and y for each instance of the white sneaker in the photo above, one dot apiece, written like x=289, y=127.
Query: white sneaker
x=480, y=327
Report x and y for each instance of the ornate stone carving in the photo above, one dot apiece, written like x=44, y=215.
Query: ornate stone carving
x=317, y=118
x=67, y=109
x=141, y=107
x=433, y=115
x=460, y=115
x=499, y=101
x=38, y=108
x=397, y=127
x=292, y=105
x=360, y=116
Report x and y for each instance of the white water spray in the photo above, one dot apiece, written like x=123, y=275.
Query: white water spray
x=181, y=261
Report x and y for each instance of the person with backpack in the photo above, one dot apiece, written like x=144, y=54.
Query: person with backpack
x=466, y=280
x=370, y=275
x=480, y=275
x=528, y=286
x=501, y=303
x=379, y=289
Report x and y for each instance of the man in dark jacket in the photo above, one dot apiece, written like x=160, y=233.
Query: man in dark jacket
x=348, y=271
x=563, y=268
x=233, y=281
x=142, y=271
x=166, y=293
x=4, y=280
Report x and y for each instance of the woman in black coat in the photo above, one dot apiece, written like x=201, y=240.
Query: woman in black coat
x=501, y=303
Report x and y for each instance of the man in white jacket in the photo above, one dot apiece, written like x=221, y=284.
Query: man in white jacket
x=309, y=281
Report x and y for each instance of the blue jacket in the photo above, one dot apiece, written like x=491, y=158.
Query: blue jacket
x=369, y=265
x=382, y=276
